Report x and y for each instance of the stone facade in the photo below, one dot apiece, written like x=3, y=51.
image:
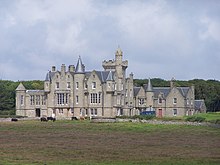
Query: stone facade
x=75, y=92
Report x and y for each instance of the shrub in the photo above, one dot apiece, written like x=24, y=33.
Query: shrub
x=217, y=121
x=195, y=119
x=143, y=117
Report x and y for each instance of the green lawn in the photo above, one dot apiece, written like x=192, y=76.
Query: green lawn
x=82, y=142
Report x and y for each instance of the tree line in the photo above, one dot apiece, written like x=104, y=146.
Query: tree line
x=209, y=90
x=8, y=93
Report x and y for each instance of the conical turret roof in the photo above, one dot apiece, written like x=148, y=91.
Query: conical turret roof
x=149, y=86
x=79, y=66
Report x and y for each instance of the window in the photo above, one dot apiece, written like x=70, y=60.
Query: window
x=68, y=85
x=119, y=112
x=187, y=101
x=93, y=98
x=22, y=99
x=72, y=110
x=60, y=98
x=93, y=85
x=86, y=86
x=77, y=99
x=86, y=113
x=38, y=100
x=160, y=100
x=94, y=112
x=174, y=100
x=77, y=85
x=174, y=112
x=32, y=100
x=57, y=85
x=99, y=97
x=67, y=98
x=191, y=101
x=43, y=100
x=141, y=101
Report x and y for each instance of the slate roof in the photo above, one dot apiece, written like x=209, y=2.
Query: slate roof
x=136, y=90
x=104, y=75
x=110, y=76
x=183, y=90
x=35, y=91
x=164, y=90
x=80, y=66
x=49, y=76
x=149, y=86
x=198, y=103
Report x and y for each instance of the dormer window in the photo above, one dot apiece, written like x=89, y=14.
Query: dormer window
x=68, y=85
x=93, y=85
x=141, y=101
x=160, y=100
x=57, y=85
x=187, y=101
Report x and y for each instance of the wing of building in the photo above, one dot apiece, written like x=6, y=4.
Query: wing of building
x=75, y=92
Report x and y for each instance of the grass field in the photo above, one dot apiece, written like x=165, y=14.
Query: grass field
x=82, y=142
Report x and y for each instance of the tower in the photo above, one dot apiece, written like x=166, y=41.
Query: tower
x=79, y=96
x=20, y=100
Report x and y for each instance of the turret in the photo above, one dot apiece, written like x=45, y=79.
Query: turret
x=79, y=78
x=20, y=99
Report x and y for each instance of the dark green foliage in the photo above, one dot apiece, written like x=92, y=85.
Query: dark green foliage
x=143, y=117
x=7, y=92
x=195, y=119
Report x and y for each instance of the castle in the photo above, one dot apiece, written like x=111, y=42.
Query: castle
x=75, y=92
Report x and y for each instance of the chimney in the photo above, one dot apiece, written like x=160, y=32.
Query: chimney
x=53, y=69
x=172, y=84
x=63, y=68
x=71, y=68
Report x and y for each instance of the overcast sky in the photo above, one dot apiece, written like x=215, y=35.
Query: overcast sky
x=159, y=38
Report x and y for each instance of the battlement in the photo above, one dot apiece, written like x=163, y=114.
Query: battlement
x=109, y=65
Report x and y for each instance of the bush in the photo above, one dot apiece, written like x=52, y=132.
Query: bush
x=7, y=112
x=195, y=119
x=143, y=117
x=217, y=121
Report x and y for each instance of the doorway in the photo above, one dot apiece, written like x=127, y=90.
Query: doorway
x=37, y=112
x=160, y=113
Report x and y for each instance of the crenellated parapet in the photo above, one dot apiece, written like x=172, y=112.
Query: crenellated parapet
x=109, y=65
